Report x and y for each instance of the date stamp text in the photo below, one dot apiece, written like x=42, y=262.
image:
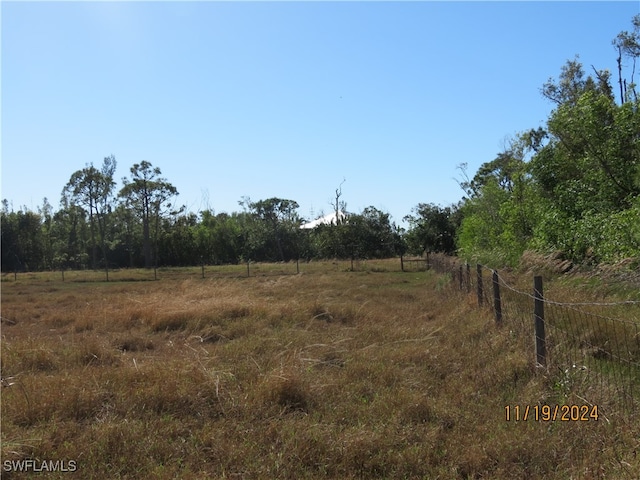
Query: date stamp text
x=551, y=413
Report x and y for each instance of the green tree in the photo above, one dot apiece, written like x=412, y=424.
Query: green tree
x=500, y=214
x=149, y=196
x=330, y=241
x=370, y=234
x=432, y=228
x=627, y=45
x=21, y=238
x=379, y=237
x=70, y=237
x=178, y=241
x=587, y=174
x=483, y=223
x=92, y=190
x=46, y=215
x=220, y=237
x=594, y=155
x=277, y=232
x=572, y=83
x=127, y=236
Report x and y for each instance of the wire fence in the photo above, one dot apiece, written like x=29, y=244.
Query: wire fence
x=237, y=270
x=590, y=350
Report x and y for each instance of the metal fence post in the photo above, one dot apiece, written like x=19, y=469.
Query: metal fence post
x=538, y=315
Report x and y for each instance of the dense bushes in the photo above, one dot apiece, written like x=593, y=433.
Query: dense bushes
x=573, y=187
x=43, y=241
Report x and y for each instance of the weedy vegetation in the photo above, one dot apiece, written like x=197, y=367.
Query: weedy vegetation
x=325, y=374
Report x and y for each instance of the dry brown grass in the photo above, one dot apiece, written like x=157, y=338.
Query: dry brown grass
x=328, y=374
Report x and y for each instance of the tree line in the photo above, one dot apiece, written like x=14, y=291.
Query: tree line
x=572, y=186
x=141, y=225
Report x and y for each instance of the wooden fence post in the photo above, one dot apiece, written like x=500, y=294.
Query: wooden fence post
x=497, y=306
x=297, y=265
x=479, y=271
x=401, y=264
x=248, y=275
x=460, y=277
x=538, y=315
x=468, y=278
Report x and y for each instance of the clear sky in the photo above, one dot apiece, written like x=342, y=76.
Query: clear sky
x=286, y=99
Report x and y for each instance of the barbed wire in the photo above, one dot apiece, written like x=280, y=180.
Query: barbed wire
x=546, y=300
x=573, y=305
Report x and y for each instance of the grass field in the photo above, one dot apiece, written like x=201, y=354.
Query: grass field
x=326, y=374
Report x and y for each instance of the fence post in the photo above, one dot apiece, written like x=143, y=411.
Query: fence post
x=297, y=265
x=468, y=278
x=479, y=271
x=497, y=305
x=248, y=275
x=427, y=263
x=460, y=277
x=538, y=315
x=401, y=264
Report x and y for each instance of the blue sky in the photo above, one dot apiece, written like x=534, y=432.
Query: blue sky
x=287, y=99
